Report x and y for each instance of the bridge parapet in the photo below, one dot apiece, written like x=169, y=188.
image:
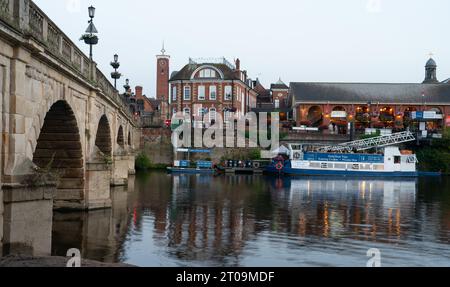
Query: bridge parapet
x=26, y=18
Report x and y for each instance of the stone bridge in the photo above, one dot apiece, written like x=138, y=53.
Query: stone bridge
x=62, y=122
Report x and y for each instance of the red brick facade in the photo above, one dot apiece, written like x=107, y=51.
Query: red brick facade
x=223, y=92
x=162, y=83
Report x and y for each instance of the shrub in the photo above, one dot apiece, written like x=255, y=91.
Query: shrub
x=143, y=162
x=254, y=154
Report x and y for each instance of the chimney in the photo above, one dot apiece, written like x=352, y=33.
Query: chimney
x=138, y=90
x=238, y=64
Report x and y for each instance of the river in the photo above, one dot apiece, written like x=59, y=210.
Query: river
x=244, y=220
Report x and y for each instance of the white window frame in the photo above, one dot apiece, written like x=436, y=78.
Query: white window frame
x=185, y=89
x=212, y=111
x=277, y=104
x=213, y=90
x=208, y=73
x=174, y=93
x=201, y=113
x=201, y=93
x=228, y=93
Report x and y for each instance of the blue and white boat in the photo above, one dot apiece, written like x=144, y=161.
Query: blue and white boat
x=351, y=159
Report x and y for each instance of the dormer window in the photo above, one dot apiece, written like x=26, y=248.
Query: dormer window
x=207, y=73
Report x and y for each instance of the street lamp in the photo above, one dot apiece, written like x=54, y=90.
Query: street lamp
x=91, y=12
x=127, y=85
x=90, y=38
x=115, y=75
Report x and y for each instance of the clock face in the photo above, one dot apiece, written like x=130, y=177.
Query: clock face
x=162, y=63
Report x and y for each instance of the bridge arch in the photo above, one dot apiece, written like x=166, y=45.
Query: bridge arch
x=59, y=151
x=103, y=138
x=120, y=137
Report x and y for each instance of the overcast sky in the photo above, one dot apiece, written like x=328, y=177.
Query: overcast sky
x=297, y=40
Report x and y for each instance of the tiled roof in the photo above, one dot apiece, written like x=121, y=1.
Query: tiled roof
x=371, y=92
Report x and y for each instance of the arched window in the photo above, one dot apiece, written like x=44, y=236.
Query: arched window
x=212, y=114
x=208, y=73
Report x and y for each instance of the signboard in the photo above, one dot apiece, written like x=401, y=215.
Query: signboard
x=338, y=114
x=427, y=115
x=356, y=158
x=417, y=115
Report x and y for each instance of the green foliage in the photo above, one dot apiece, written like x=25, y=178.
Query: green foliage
x=143, y=162
x=44, y=176
x=254, y=154
x=436, y=157
x=365, y=137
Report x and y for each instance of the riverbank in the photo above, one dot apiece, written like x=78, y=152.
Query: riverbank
x=435, y=156
x=53, y=261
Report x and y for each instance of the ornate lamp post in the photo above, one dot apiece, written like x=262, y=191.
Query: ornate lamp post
x=127, y=86
x=90, y=38
x=115, y=75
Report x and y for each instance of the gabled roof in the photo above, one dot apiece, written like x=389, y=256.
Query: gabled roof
x=370, y=92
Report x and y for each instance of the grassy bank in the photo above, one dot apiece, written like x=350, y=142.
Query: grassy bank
x=436, y=156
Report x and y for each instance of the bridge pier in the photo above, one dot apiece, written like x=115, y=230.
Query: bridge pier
x=98, y=190
x=131, y=165
x=26, y=216
x=120, y=172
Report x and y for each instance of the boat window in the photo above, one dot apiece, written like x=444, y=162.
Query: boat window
x=324, y=165
x=339, y=166
x=397, y=159
x=378, y=167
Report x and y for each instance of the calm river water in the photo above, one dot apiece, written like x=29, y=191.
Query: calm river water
x=189, y=220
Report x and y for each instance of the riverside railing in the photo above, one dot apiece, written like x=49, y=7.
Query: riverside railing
x=28, y=19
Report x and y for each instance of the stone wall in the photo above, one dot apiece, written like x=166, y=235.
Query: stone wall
x=156, y=144
x=1, y=223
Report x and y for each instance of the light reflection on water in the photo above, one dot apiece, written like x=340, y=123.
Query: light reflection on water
x=190, y=220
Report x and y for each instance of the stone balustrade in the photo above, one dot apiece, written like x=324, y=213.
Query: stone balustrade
x=26, y=17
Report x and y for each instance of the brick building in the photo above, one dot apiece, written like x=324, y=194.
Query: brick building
x=380, y=105
x=206, y=88
x=275, y=99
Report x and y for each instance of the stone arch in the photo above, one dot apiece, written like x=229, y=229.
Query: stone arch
x=59, y=150
x=339, y=109
x=315, y=116
x=103, y=137
x=120, y=137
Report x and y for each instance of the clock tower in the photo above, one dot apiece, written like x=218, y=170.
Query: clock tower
x=162, y=82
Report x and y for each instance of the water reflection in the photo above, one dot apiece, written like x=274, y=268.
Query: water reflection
x=189, y=220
